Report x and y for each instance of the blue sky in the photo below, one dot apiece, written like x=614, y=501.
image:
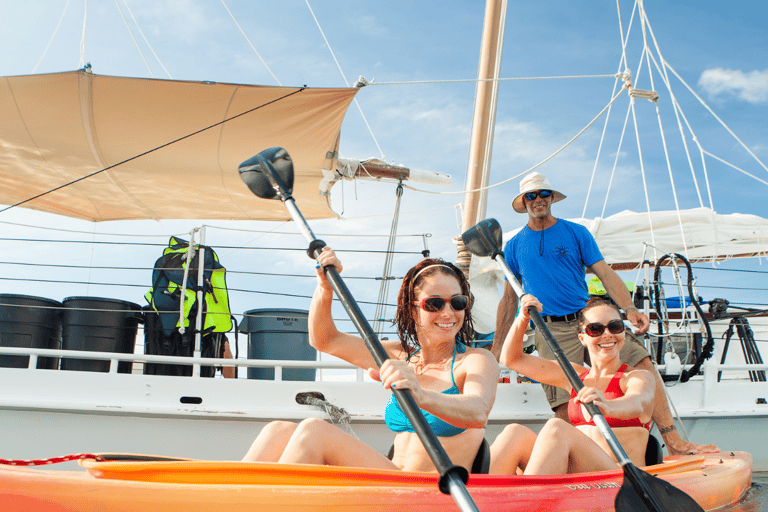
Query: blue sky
x=720, y=49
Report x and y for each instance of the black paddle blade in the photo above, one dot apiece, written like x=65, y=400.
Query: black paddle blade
x=257, y=170
x=663, y=496
x=484, y=238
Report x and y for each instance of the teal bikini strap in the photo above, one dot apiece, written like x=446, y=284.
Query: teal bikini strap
x=458, y=347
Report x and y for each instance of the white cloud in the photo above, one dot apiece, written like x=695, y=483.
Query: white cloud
x=751, y=87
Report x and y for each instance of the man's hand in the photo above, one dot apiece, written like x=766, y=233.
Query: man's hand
x=639, y=320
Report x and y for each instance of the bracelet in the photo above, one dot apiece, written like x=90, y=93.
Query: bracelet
x=631, y=307
x=667, y=430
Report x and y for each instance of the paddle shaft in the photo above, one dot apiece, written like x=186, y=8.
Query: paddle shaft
x=630, y=470
x=452, y=477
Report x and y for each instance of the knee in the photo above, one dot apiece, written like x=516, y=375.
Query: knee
x=311, y=425
x=278, y=428
x=515, y=433
x=555, y=426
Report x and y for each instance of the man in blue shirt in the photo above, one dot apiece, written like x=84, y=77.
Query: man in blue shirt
x=550, y=257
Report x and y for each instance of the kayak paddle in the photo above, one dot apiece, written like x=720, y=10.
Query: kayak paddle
x=269, y=175
x=640, y=491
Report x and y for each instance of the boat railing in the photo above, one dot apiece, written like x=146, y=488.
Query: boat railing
x=712, y=371
x=114, y=358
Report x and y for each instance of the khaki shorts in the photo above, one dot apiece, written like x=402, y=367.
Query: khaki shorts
x=567, y=336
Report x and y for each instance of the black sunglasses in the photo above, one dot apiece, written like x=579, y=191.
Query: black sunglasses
x=435, y=304
x=530, y=196
x=597, y=329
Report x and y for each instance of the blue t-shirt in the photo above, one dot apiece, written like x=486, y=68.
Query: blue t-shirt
x=551, y=264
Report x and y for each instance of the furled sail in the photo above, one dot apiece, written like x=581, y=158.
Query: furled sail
x=57, y=128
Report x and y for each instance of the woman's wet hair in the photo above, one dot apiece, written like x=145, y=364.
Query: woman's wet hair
x=412, y=283
x=594, y=303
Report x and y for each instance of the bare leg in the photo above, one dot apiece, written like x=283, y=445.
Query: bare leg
x=511, y=450
x=271, y=442
x=561, y=448
x=318, y=442
x=664, y=421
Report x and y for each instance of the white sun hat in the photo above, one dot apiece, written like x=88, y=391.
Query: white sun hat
x=531, y=182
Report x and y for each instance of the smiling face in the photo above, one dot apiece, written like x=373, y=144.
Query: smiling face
x=539, y=208
x=607, y=345
x=441, y=325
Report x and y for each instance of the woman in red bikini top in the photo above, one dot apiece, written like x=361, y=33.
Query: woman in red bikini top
x=576, y=411
x=624, y=395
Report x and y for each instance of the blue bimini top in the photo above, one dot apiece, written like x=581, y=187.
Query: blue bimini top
x=397, y=421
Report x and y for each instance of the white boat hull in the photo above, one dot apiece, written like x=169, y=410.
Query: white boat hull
x=47, y=413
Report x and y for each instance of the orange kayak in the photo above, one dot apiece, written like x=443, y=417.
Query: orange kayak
x=714, y=480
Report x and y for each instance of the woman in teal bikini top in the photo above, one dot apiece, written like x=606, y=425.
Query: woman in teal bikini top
x=433, y=320
x=397, y=421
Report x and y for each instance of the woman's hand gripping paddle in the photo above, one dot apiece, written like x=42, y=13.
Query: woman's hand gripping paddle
x=640, y=491
x=269, y=175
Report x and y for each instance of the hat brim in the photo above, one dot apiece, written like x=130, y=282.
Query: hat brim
x=519, y=206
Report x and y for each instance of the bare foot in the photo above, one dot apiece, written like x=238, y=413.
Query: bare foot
x=682, y=448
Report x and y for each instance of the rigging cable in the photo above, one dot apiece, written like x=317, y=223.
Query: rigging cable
x=117, y=3
x=82, y=38
x=249, y=42
x=142, y=35
x=360, y=83
x=647, y=54
x=512, y=178
x=715, y=116
x=55, y=31
x=627, y=76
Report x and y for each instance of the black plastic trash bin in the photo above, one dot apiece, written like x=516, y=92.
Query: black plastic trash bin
x=100, y=325
x=29, y=322
x=278, y=334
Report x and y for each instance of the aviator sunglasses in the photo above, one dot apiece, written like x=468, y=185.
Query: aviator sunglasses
x=435, y=304
x=597, y=329
x=530, y=196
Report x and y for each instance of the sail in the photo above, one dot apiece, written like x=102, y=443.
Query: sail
x=699, y=234
x=57, y=128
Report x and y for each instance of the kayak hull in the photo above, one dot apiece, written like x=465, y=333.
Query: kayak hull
x=713, y=481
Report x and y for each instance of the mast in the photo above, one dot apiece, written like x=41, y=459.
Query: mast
x=483, y=121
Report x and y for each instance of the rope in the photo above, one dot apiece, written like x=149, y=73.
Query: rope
x=678, y=112
x=52, y=460
x=117, y=3
x=143, y=37
x=664, y=139
x=55, y=31
x=381, y=306
x=467, y=80
x=249, y=42
x=626, y=76
x=82, y=38
x=734, y=167
x=550, y=157
x=360, y=83
x=715, y=116
x=338, y=415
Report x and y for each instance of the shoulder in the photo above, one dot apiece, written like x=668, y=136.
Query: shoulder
x=637, y=377
x=394, y=349
x=517, y=239
x=479, y=359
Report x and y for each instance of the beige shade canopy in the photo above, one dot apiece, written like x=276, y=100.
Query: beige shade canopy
x=60, y=127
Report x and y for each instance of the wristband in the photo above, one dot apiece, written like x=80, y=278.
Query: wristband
x=626, y=311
